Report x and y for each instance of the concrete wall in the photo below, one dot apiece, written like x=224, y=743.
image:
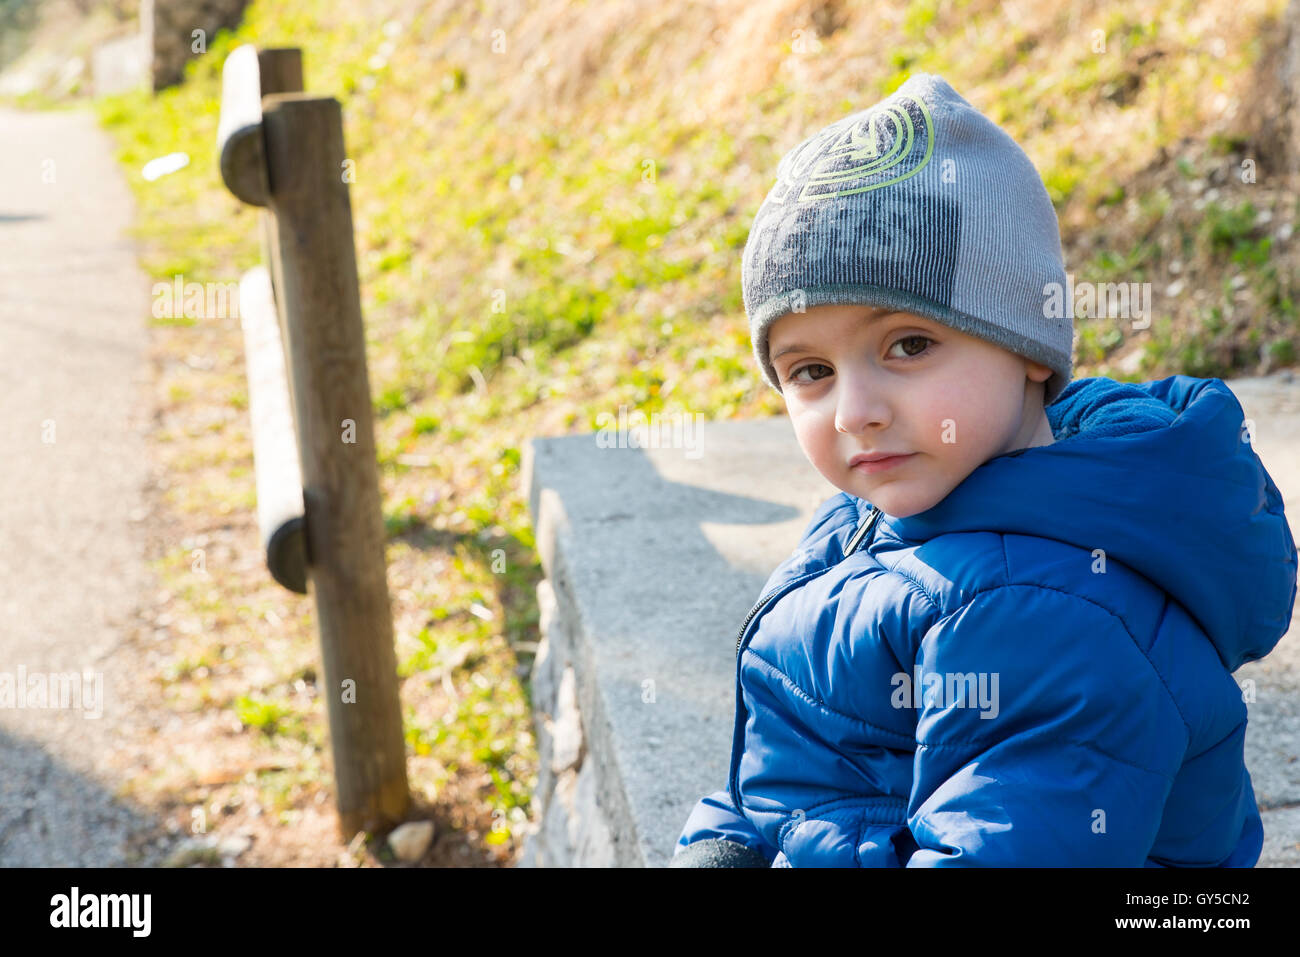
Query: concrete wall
x=653, y=557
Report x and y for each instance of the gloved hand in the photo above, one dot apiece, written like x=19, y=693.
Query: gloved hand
x=718, y=852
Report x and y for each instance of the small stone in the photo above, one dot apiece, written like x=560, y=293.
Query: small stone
x=194, y=852
x=566, y=728
x=409, y=841
x=235, y=845
x=351, y=855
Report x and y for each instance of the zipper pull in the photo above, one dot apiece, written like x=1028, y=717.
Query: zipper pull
x=868, y=525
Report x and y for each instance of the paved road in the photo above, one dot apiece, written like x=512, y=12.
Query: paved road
x=73, y=308
x=1273, y=734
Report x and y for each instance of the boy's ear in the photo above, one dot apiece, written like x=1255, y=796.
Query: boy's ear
x=1037, y=371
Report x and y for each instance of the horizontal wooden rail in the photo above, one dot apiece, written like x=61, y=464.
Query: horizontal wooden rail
x=280, y=513
x=239, y=127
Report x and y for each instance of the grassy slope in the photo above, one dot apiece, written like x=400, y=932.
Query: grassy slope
x=549, y=222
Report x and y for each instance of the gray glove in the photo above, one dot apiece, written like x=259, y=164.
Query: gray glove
x=718, y=852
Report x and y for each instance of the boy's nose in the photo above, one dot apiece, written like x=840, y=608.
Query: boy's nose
x=859, y=408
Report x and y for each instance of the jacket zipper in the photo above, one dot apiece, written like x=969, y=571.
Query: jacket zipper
x=866, y=530
x=867, y=526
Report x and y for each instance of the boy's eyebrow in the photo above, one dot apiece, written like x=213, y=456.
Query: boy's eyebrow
x=870, y=318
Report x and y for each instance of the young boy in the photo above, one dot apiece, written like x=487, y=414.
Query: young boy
x=1010, y=639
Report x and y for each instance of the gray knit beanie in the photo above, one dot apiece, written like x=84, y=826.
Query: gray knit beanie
x=922, y=204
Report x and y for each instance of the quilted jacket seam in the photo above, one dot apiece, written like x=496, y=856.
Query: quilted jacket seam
x=794, y=686
x=861, y=812
x=915, y=585
x=1109, y=611
x=1039, y=734
x=1235, y=728
x=868, y=801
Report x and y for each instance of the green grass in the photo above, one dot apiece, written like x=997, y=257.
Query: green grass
x=513, y=269
x=267, y=716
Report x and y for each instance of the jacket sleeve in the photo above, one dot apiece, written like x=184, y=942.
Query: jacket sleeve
x=715, y=818
x=1052, y=741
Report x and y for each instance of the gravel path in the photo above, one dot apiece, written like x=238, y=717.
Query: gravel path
x=73, y=313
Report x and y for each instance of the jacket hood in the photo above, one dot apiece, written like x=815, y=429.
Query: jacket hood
x=1160, y=475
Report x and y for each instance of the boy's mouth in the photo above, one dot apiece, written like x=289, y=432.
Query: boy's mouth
x=869, y=466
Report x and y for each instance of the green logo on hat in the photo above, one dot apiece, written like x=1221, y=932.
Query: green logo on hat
x=886, y=144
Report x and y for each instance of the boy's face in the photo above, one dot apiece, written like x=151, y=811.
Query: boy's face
x=871, y=380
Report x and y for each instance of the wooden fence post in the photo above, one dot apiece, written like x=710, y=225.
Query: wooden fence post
x=321, y=301
x=285, y=152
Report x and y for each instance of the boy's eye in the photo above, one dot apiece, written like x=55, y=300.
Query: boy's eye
x=811, y=365
x=924, y=340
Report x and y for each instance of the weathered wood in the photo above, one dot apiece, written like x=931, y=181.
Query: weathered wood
x=320, y=296
x=280, y=513
x=239, y=131
x=246, y=75
x=280, y=70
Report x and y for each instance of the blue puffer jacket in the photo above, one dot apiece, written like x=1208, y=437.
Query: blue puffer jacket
x=1034, y=672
